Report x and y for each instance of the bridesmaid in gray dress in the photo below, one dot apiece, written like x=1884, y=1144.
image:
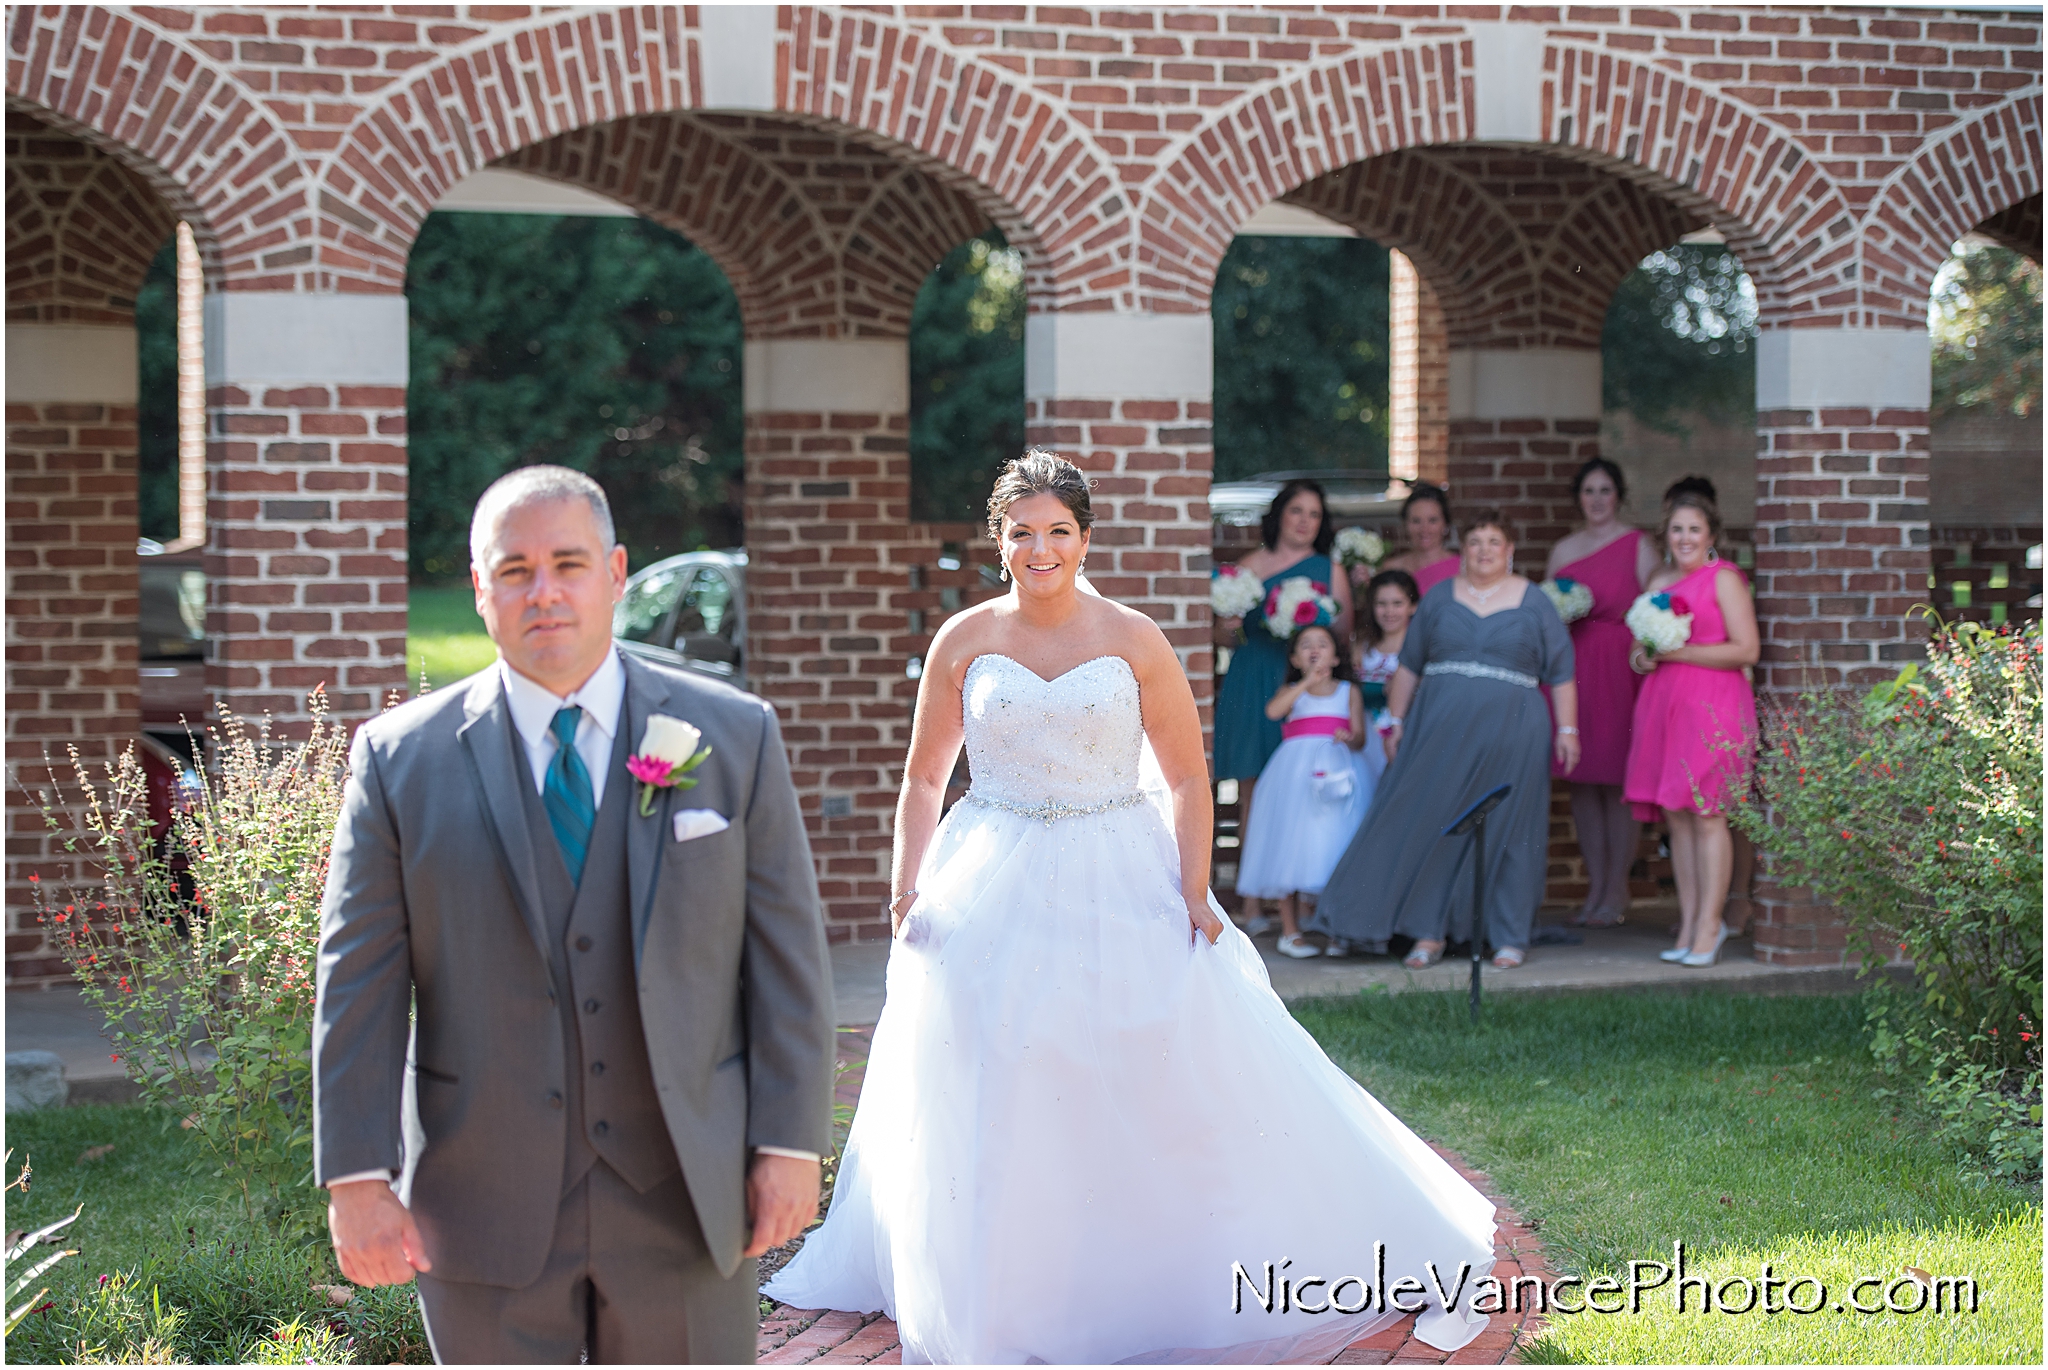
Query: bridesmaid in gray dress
x=1471, y=718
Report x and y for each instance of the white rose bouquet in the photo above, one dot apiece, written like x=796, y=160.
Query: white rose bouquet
x=1358, y=547
x=1660, y=621
x=1572, y=599
x=1296, y=603
x=1234, y=592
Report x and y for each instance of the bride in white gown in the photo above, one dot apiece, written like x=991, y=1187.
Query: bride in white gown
x=1083, y=1091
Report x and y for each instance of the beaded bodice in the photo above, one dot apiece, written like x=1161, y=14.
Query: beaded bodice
x=1052, y=748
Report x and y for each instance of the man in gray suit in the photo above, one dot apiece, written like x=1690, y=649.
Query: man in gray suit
x=587, y=1024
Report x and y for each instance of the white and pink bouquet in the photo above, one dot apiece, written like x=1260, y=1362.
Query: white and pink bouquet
x=1660, y=621
x=1234, y=592
x=1298, y=602
x=1358, y=547
x=1572, y=599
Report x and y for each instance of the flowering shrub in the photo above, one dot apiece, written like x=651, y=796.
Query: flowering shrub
x=1296, y=603
x=205, y=974
x=1918, y=811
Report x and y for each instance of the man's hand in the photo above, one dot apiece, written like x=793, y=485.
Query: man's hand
x=782, y=1198
x=374, y=1235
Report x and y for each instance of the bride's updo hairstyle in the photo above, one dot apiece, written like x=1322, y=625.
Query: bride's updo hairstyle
x=1039, y=472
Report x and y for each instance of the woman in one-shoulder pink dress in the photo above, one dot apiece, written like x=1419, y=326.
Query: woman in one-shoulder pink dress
x=1426, y=523
x=1695, y=722
x=1613, y=561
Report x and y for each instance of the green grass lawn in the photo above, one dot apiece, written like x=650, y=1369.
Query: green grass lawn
x=444, y=637
x=185, y=1263
x=1745, y=1126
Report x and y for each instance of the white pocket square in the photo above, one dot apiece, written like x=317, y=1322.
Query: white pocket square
x=695, y=823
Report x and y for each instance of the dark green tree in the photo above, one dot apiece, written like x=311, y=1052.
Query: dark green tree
x=966, y=379
x=156, y=355
x=1301, y=356
x=1679, y=340
x=1986, y=321
x=608, y=345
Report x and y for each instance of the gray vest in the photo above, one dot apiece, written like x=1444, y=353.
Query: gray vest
x=612, y=1105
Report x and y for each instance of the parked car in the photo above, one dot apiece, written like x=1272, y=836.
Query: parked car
x=171, y=644
x=1355, y=497
x=690, y=611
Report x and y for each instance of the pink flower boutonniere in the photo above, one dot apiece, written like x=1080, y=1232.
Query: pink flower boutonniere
x=668, y=753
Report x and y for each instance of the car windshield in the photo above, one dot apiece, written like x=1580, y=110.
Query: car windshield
x=648, y=602
x=172, y=617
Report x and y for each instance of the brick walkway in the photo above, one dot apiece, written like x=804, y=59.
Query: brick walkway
x=801, y=1336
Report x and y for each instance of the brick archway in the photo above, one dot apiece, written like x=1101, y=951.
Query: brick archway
x=1978, y=170
x=168, y=112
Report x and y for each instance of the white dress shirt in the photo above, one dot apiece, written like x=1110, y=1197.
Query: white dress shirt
x=534, y=706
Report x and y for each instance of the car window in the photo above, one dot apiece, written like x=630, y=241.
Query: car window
x=708, y=606
x=648, y=602
x=172, y=617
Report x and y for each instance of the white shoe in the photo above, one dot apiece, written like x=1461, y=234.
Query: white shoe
x=1672, y=954
x=1338, y=947
x=1296, y=947
x=1258, y=925
x=1706, y=958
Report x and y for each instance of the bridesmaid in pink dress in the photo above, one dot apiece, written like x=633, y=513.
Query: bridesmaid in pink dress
x=1613, y=561
x=1695, y=722
x=1426, y=519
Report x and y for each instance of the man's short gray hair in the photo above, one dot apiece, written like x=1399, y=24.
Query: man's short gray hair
x=536, y=485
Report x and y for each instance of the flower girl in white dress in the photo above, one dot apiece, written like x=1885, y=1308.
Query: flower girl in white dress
x=1077, y=1048
x=1315, y=788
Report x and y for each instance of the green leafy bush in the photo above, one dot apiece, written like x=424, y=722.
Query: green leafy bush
x=200, y=949
x=1918, y=811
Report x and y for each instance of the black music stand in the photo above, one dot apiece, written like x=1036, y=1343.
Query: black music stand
x=1473, y=820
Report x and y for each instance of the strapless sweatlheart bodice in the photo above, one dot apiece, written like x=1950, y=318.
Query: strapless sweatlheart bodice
x=1052, y=748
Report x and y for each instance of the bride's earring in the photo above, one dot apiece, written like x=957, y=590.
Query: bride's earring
x=1004, y=571
x=1084, y=564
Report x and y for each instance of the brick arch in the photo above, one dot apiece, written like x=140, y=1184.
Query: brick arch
x=819, y=235
x=181, y=122
x=82, y=228
x=1973, y=172
x=2017, y=226
x=1780, y=211
x=1521, y=249
x=964, y=124
x=1283, y=136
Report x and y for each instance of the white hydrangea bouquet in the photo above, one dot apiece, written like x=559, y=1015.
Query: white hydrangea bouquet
x=1660, y=621
x=1572, y=599
x=1234, y=592
x=1296, y=603
x=1358, y=547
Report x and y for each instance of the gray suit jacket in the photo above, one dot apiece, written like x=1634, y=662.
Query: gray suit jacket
x=432, y=913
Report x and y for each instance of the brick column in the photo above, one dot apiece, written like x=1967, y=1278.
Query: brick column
x=1126, y=397
x=71, y=592
x=305, y=553
x=1841, y=546
x=1419, y=377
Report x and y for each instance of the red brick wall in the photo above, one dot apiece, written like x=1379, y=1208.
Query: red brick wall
x=305, y=553
x=78, y=225
x=71, y=606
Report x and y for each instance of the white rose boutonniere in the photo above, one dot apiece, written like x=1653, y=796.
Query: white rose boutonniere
x=668, y=753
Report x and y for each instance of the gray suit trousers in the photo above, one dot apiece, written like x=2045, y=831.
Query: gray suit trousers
x=628, y=1278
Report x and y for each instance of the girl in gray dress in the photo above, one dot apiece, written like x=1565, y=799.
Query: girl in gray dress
x=1468, y=718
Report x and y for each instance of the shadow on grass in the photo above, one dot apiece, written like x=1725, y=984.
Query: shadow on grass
x=1744, y=1125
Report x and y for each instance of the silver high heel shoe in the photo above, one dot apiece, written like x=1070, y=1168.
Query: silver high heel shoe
x=1672, y=954
x=1694, y=958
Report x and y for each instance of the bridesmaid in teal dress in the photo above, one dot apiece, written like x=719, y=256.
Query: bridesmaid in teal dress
x=1295, y=539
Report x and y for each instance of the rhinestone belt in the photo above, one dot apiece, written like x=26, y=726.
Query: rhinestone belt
x=1050, y=812
x=1474, y=668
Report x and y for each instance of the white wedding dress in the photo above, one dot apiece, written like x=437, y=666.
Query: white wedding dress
x=1075, y=1120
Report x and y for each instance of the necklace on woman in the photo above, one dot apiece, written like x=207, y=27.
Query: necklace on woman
x=1472, y=589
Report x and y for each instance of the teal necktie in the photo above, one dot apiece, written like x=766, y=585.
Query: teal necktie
x=567, y=796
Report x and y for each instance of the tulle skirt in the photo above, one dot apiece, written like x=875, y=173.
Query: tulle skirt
x=1297, y=829
x=1076, y=1116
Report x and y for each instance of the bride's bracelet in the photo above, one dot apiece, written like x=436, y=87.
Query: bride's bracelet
x=1567, y=732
